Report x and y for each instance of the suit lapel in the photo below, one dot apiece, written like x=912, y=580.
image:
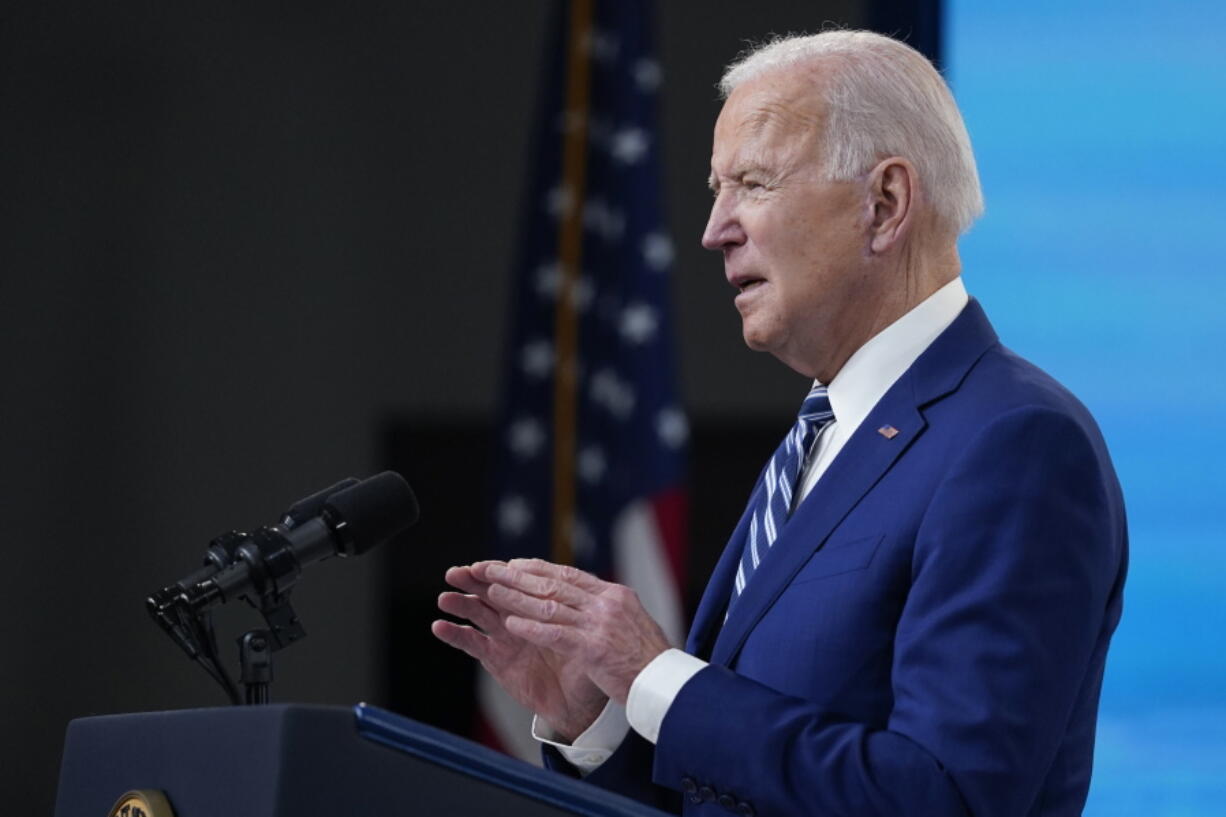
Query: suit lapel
x=856, y=469
x=865, y=458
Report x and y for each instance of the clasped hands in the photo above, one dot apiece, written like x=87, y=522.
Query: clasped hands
x=560, y=641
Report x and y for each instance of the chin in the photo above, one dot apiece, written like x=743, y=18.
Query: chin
x=756, y=339
x=750, y=336
x=763, y=342
x=760, y=328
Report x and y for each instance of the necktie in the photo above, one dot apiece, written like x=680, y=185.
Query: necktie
x=775, y=502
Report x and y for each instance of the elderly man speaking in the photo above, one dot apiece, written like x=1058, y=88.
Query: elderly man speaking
x=912, y=616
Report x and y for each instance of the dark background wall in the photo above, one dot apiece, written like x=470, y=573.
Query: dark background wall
x=238, y=243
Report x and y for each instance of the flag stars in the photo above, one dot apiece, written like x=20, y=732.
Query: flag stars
x=549, y=283
x=592, y=464
x=602, y=46
x=638, y=323
x=672, y=427
x=613, y=393
x=607, y=222
x=658, y=251
x=537, y=358
x=629, y=145
x=613, y=283
x=526, y=437
x=548, y=279
x=647, y=74
x=514, y=515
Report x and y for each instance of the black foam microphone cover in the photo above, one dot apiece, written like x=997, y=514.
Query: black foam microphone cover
x=312, y=506
x=375, y=509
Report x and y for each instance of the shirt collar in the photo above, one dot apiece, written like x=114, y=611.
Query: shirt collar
x=868, y=374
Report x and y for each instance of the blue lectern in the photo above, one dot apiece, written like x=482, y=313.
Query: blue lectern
x=283, y=760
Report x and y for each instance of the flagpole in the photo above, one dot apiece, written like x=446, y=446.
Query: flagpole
x=570, y=258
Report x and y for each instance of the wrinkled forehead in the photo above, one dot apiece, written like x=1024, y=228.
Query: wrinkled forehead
x=772, y=111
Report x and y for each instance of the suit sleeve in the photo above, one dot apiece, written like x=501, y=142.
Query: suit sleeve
x=1013, y=570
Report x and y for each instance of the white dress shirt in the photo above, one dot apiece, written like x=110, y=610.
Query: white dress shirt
x=855, y=390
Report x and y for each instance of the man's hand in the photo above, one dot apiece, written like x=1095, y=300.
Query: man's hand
x=600, y=626
x=552, y=684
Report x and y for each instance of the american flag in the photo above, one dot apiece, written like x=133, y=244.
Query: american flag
x=592, y=439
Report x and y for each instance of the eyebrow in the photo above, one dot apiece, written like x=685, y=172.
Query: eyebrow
x=737, y=173
x=760, y=119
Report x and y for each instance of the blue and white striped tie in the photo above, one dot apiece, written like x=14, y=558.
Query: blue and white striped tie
x=774, y=507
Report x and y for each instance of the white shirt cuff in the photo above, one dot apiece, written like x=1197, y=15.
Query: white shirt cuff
x=594, y=744
x=654, y=689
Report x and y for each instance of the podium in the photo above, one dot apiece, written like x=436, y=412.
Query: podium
x=282, y=760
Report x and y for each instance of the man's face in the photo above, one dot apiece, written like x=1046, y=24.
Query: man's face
x=794, y=246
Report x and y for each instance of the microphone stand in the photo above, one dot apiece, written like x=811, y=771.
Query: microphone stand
x=190, y=625
x=256, y=661
x=261, y=567
x=256, y=647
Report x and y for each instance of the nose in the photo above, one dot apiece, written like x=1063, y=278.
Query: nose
x=723, y=227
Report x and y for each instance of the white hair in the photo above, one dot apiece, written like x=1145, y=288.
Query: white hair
x=883, y=98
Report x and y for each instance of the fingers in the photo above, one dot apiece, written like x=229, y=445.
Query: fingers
x=471, y=608
x=462, y=638
x=544, y=584
x=528, y=588
x=557, y=637
x=567, y=574
x=549, y=612
x=522, y=604
x=462, y=578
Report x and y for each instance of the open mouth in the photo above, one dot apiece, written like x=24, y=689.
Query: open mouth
x=749, y=284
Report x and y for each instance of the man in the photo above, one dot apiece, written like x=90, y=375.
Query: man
x=913, y=614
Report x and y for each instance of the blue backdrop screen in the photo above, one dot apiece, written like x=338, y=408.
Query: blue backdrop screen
x=1099, y=132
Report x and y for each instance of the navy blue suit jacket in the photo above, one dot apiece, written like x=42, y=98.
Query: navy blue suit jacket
x=928, y=633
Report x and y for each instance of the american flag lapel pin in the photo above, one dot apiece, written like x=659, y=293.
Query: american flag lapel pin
x=888, y=431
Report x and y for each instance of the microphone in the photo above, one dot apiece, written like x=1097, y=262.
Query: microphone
x=345, y=519
x=221, y=552
x=267, y=562
x=313, y=505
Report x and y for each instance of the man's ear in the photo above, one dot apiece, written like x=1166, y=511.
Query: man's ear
x=892, y=191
